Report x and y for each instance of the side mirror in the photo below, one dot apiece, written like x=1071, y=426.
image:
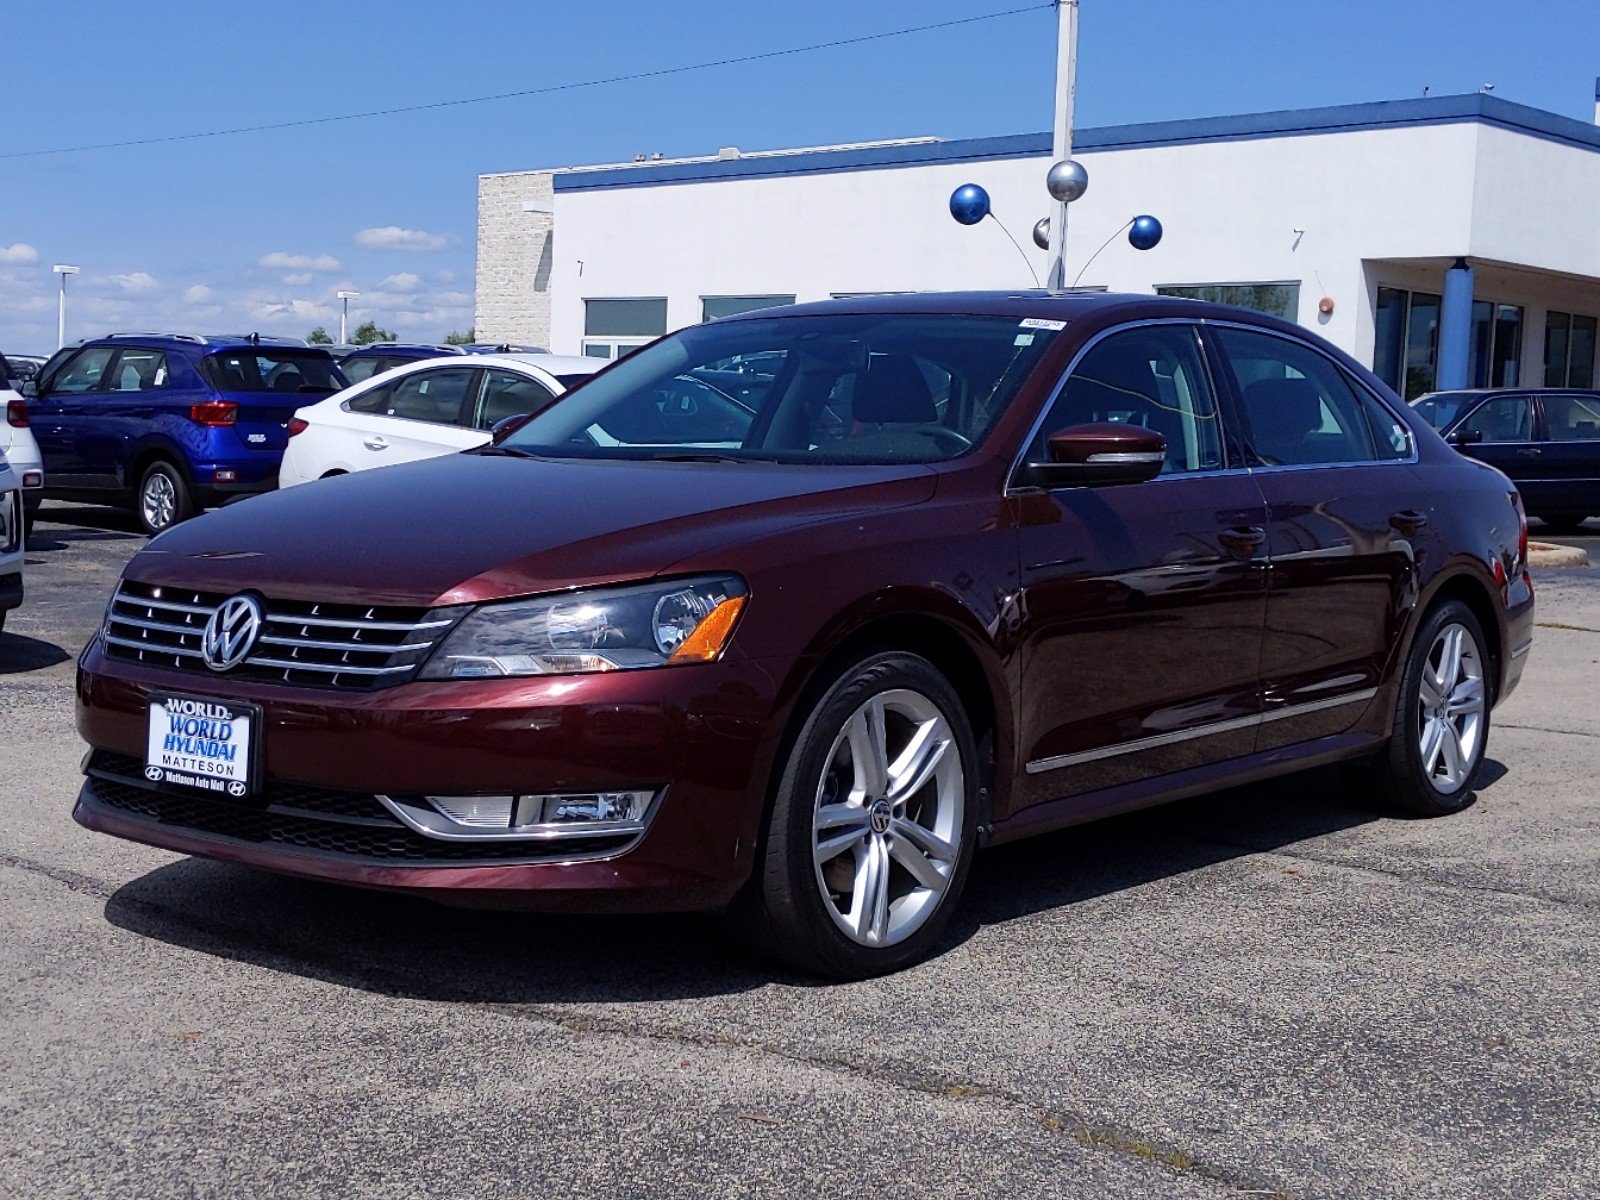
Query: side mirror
x=1466, y=437
x=506, y=426
x=30, y=387
x=1100, y=455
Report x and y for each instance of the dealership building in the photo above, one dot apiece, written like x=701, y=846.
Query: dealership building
x=1445, y=241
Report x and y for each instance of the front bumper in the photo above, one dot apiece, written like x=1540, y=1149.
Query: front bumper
x=704, y=735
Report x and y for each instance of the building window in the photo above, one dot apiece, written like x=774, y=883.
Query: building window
x=1422, y=344
x=1276, y=299
x=1389, y=335
x=712, y=307
x=1569, y=345
x=611, y=328
x=1496, y=353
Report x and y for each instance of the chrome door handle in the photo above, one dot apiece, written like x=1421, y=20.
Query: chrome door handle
x=375, y=443
x=1529, y=450
x=1242, y=540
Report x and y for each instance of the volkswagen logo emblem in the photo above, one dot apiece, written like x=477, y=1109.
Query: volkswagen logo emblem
x=231, y=633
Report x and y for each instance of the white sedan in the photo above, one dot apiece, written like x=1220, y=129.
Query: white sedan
x=422, y=410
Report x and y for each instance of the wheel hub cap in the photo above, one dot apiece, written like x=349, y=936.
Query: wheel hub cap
x=887, y=823
x=1450, y=709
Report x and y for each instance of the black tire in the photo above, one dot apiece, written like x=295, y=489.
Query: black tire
x=1399, y=774
x=163, y=498
x=1564, y=524
x=783, y=912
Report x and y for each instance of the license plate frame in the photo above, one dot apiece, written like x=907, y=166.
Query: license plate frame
x=235, y=780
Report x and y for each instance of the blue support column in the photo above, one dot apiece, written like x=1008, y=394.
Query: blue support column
x=1455, y=329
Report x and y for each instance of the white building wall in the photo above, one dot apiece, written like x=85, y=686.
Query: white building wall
x=1230, y=210
x=515, y=257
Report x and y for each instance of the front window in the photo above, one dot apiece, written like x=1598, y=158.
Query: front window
x=1506, y=419
x=271, y=371
x=839, y=389
x=1441, y=408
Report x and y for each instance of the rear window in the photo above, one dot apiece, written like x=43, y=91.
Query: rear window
x=289, y=372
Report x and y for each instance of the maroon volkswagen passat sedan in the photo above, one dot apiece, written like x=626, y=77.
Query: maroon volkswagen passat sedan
x=788, y=614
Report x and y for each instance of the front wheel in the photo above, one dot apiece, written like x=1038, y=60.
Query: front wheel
x=1441, y=726
x=163, y=498
x=873, y=826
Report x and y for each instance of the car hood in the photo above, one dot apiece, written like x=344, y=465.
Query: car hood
x=467, y=527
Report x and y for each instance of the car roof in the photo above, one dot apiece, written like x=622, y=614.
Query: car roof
x=373, y=349
x=205, y=343
x=1483, y=393
x=1063, y=306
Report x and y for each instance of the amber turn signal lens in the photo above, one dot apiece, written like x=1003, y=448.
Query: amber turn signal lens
x=711, y=635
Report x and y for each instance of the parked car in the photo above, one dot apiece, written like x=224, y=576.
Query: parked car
x=1546, y=441
x=25, y=366
x=502, y=348
x=11, y=540
x=168, y=424
x=1121, y=549
x=422, y=409
x=363, y=362
x=17, y=444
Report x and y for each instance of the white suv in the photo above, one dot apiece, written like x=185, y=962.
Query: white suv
x=10, y=541
x=16, y=441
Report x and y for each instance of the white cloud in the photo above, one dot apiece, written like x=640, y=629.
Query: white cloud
x=445, y=276
x=18, y=254
x=197, y=294
x=137, y=283
x=405, y=281
x=278, y=260
x=297, y=278
x=392, y=237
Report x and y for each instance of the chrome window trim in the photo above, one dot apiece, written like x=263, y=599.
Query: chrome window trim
x=1018, y=461
x=475, y=395
x=1199, y=731
x=1354, y=381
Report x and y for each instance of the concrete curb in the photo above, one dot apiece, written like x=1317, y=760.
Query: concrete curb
x=1548, y=554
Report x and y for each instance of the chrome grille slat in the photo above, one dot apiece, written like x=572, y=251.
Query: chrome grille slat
x=307, y=648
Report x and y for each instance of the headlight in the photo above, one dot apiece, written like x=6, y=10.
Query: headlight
x=606, y=629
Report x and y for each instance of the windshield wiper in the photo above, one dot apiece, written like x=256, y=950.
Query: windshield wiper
x=501, y=452
x=708, y=457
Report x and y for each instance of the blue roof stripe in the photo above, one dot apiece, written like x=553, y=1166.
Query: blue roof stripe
x=1383, y=114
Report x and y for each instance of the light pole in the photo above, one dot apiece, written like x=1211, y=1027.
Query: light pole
x=344, y=316
x=63, y=270
x=1066, y=91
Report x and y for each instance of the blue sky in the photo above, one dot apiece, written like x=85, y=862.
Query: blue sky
x=257, y=231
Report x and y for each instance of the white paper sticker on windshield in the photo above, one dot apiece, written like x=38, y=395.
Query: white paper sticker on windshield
x=1041, y=323
x=1023, y=339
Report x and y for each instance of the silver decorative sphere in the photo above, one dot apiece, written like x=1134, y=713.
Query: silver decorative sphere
x=1041, y=233
x=1067, y=180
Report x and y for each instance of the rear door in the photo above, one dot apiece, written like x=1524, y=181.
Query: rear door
x=1569, y=459
x=128, y=407
x=1143, y=603
x=1331, y=461
x=420, y=415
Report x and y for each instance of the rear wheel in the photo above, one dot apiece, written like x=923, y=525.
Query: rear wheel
x=873, y=826
x=1441, y=725
x=163, y=498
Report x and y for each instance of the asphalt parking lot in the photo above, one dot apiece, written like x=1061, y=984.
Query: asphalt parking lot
x=1274, y=991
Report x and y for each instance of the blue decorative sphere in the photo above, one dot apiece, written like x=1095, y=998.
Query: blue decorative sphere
x=1145, y=233
x=969, y=204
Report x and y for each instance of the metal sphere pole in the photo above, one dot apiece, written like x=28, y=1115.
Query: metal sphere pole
x=1066, y=91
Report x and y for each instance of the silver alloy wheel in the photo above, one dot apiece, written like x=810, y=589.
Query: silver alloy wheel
x=1450, y=709
x=160, y=500
x=887, y=825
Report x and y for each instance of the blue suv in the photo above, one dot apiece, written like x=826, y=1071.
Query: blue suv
x=169, y=423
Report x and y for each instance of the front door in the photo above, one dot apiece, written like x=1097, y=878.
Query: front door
x=66, y=410
x=1343, y=507
x=1142, y=605
x=1501, y=432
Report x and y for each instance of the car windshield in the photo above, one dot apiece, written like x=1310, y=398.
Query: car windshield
x=880, y=388
x=272, y=371
x=1442, y=408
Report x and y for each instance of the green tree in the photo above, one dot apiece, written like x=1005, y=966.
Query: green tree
x=319, y=337
x=368, y=332
x=453, y=338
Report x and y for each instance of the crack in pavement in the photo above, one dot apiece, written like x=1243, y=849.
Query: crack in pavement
x=1547, y=729
x=1584, y=906
x=274, y=954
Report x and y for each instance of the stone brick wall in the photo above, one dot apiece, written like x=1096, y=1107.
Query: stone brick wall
x=514, y=260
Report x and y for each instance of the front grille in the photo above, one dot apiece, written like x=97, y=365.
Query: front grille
x=349, y=646
x=344, y=825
